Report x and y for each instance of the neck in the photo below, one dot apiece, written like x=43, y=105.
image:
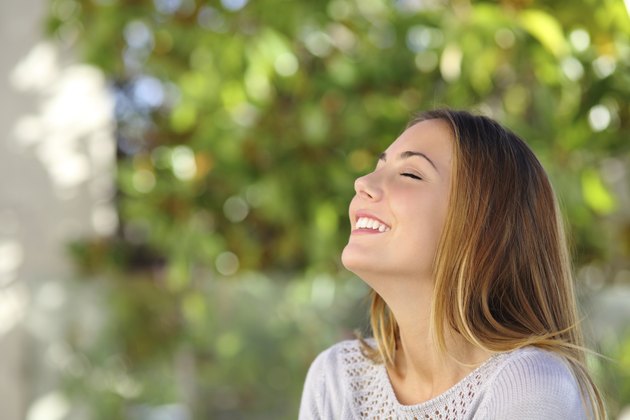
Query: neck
x=421, y=371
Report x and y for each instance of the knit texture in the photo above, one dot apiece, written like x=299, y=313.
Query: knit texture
x=528, y=383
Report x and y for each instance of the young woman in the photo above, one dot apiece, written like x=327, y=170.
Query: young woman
x=457, y=231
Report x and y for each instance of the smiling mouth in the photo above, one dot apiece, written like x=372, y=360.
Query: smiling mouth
x=370, y=225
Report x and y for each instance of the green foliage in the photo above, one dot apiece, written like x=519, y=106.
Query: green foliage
x=614, y=373
x=226, y=348
x=241, y=127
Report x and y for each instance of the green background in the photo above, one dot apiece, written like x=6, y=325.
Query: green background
x=240, y=129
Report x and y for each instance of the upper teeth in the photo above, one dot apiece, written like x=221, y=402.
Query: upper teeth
x=367, y=223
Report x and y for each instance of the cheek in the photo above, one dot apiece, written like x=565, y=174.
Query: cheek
x=427, y=220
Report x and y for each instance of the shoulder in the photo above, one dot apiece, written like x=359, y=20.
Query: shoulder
x=341, y=354
x=327, y=381
x=532, y=383
x=531, y=364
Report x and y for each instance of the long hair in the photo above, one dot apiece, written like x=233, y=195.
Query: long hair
x=502, y=269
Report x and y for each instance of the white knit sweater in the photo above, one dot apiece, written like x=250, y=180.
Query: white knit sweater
x=523, y=384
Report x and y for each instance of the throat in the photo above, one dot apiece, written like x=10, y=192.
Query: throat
x=411, y=390
x=422, y=382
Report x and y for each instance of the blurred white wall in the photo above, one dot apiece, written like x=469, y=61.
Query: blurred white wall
x=56, y=160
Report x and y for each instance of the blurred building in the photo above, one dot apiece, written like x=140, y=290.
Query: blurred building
x=56, y=160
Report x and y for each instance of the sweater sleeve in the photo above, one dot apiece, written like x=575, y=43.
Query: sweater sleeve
x=535, y=386
x=313, y=392
x=323, y=389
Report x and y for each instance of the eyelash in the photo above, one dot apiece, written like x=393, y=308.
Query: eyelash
x=410, y=175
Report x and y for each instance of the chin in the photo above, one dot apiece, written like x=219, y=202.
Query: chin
x=353, y=257
x=366, y=267
x=346, y=259
x=353, y=262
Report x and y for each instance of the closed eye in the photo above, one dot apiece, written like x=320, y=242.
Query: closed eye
x=411, y=175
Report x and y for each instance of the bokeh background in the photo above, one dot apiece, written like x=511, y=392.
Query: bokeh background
x=175, y=174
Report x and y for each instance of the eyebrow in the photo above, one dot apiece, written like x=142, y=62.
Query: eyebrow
x=407, y=154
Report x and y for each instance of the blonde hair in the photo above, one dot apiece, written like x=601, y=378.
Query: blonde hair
x=502, y=269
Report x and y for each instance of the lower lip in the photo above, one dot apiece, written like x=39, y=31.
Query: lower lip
x=366, y=232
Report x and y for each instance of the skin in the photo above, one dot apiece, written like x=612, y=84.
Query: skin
x=409, y=192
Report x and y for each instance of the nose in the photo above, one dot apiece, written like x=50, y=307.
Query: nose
x=366, y=187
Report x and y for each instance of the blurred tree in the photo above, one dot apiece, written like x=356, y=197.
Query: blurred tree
x=240, y=129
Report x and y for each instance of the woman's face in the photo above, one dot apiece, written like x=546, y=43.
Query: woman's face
x=399, y=209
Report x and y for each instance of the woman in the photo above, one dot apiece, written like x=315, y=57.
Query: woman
x=458, y=233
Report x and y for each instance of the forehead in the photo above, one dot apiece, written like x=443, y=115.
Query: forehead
x=431, y=137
